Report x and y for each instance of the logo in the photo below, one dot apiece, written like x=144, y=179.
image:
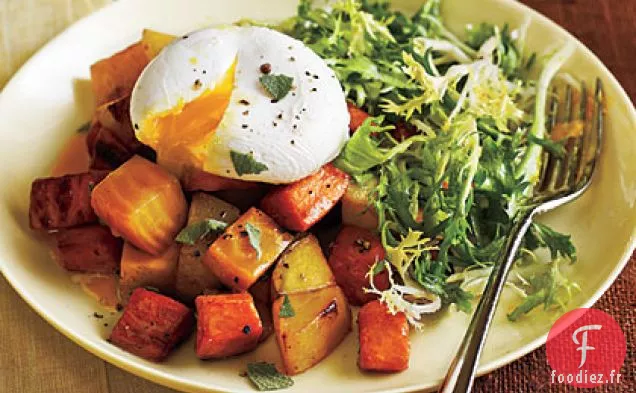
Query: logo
x=586, y=348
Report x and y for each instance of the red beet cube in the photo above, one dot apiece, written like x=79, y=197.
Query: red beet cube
x=352, y=255
x=90, y=249
x=152, y=325
x=63, y=202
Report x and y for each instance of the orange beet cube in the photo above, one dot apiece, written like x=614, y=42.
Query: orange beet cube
x=152, y=325
x=90, y=249
x=357, y=117
x=298, y=206
x=142, y=202
x=384, y=339
x=115, y=77
x=227, y=325
x=235, y=261
x=352, y=255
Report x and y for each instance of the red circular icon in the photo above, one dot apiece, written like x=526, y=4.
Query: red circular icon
x=586, y=348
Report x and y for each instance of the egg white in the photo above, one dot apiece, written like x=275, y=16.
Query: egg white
x=293, y=137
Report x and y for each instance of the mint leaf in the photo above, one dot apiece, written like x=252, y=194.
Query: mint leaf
x=277, y=85
x=266, y=377
x=194, y=232
x=254, y=235
x=245, y=164
x=286, y=309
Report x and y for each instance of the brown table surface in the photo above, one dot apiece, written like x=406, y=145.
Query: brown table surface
x=607, y=27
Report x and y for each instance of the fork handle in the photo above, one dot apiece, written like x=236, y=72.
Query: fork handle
x=461, y=373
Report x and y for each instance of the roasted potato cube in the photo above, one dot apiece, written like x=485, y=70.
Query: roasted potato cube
x=322, y=320
x=353, y=254
x=235, y=260
x=384, y=339
x=63, y=202
x=261, y=292
x=152, y=325
x=90, y=249
x=197, y=180
x=357, y=117
x=227, y=325
x=115, y=77
x=140, y=269
x=302, y=267
x=154, y=42
x=193, y=277
x=356, y=207
x=298, y=206
x=142, y=202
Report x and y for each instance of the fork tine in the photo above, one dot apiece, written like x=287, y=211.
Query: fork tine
x=546, y=166
x=554, y=165
x=597, y=136
x=570, y=123
x=577, y=144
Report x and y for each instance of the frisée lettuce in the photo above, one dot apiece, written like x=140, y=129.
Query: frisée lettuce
x=449, y=192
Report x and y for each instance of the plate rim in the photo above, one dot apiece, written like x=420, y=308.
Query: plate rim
x=174, y=381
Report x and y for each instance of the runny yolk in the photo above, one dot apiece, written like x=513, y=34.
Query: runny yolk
x=181, y=134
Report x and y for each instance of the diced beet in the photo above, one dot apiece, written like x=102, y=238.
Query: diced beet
x=89, y=249
x=227, y=325
x=357, y=117
x=300, y=205
x=352, y=255
x=384, y=339
x=111, y=140
x=152, y=325
x=63, y=202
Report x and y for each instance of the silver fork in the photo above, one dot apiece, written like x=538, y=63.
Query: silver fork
x=562, y=180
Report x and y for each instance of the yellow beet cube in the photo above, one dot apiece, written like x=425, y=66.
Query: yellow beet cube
x=143, y=203
x=246, y=250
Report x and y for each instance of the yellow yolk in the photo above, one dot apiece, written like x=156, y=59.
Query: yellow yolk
x=180, y=135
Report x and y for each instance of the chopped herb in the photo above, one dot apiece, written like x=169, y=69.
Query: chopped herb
x=286, y=309
x=245, y=164
x=265, y=376
x=194, y=232
x=378, y=268
x=254, y=235
x=277, y=85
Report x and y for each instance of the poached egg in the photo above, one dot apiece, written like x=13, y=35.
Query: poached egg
x=201, y=102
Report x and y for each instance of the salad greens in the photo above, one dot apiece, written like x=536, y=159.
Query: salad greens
x=448, y=190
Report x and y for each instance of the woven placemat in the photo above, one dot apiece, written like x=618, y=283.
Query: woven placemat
x=532, y=373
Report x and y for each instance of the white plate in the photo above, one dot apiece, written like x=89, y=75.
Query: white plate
x=48, y=99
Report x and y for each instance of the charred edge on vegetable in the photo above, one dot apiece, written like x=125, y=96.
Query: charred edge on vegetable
x=331, y=308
